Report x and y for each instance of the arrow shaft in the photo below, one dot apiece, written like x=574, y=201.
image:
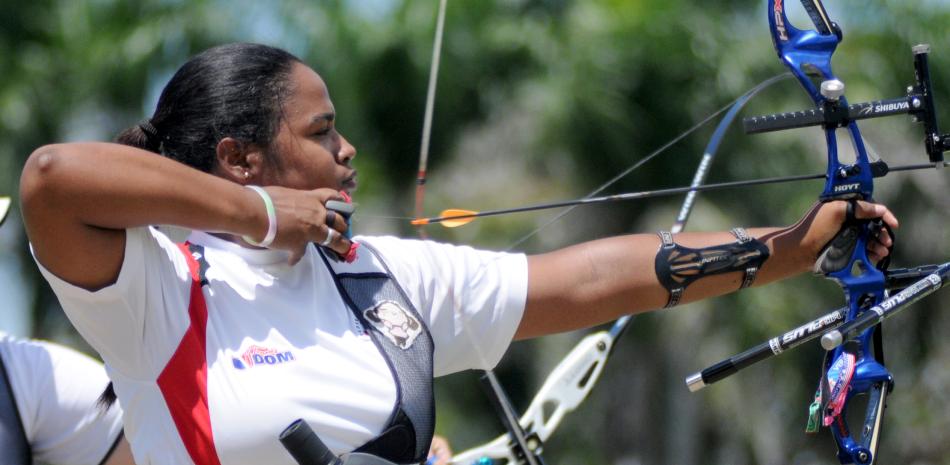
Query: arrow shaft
x=662, y=192
x=629, y=196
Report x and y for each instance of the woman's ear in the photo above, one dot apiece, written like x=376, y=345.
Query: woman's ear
x=237, y=161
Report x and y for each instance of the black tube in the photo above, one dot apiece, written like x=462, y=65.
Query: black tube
x=932, y=137
x=767, y=349
x=817, y=117
x=897, y=279
x=901, y=278
x=887, y=308
x=305, y=446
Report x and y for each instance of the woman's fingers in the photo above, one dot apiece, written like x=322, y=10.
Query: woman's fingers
x=866, y=210
x=332, y=234
x=304, y=218
x=879, y=245
x=335, y=241
x=336, y=221
x=826, y=222
x=877, y=251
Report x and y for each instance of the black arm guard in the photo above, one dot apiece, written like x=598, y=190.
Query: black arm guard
x=677, y=267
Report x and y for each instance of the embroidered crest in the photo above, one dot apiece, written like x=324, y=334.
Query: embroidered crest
x=395, y=322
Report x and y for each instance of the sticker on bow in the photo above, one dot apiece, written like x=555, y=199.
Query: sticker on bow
x=395, y=322
x=839, y=384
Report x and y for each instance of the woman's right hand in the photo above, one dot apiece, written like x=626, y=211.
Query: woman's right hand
x=302, y=219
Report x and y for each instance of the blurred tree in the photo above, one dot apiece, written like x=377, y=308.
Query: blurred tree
x=541, y=100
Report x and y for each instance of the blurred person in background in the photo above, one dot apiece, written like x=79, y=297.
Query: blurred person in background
x=49, y=411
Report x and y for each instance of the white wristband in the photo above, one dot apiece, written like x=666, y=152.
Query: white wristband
x=271, y=219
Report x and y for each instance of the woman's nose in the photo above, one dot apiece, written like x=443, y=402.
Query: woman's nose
x=347, y=151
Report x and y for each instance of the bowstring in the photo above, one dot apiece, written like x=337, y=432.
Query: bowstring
x=637, y=164
x=424, y=155
x=622, y=323
x=429, y=112
x=420, y=199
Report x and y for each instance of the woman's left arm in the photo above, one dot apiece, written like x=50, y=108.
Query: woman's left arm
x=598, y=281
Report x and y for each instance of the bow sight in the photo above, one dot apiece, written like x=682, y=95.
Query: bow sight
x=832, y=113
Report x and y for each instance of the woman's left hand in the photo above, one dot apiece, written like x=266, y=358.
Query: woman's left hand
x=825, y=220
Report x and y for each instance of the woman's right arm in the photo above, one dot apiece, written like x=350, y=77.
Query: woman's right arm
x=79, y=198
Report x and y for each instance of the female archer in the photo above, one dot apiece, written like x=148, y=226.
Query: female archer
x=243, y=149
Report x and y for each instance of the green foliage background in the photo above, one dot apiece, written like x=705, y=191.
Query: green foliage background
x=540, y=100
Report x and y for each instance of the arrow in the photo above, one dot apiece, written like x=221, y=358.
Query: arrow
x=455, y=217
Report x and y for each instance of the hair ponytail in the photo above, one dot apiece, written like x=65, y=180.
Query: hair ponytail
x=142, y=135
x=107, y=398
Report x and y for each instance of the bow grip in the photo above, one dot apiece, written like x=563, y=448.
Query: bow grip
x=845, y=260
x=849, y=246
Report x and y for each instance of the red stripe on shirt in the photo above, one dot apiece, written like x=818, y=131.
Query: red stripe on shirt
x=184, y=381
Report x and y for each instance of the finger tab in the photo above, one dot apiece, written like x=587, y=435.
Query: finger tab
x=351, y=255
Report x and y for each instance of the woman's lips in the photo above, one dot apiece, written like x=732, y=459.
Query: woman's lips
x=349, y=184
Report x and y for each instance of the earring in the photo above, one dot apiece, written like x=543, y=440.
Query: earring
x=247, y=175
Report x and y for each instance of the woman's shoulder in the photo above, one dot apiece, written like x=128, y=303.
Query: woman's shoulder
x=401, y=245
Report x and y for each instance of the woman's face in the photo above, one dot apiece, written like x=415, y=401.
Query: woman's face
x=308, y=152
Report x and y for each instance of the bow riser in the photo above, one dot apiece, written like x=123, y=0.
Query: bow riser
x=808, y=55
x=862, y=452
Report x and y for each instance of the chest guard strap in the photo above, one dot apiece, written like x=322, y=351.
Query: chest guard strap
x=386, y=313
x=14, y=447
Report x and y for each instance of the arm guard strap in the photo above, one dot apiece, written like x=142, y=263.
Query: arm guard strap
x=677, y=267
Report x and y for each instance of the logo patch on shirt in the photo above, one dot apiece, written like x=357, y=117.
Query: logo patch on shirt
x=393, y=321
x=257, y=355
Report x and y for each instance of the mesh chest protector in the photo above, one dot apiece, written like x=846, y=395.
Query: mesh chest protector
x=14, y=447
x=408, y=432
x=411, y=425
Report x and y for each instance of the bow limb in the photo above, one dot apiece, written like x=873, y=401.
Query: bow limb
x=855, y=369
x=563, y=390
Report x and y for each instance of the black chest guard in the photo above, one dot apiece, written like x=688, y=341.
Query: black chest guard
x=386, y=313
